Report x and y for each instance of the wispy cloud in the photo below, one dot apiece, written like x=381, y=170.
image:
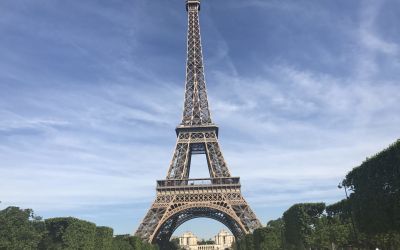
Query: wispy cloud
x=368, y=34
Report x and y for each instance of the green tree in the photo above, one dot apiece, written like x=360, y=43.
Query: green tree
x=136, y=242
x=342, y=231
x=120, y=242
x=266, y=239
x=375, y=197
x=249, y=241
x=128, y=242
x=240, y=243
x=206, y=242
x=69, y=233
x=170, y=245
x=269, y=237
x=104, y=238
x=319, y=238
x=299, y=221
x=19, y=229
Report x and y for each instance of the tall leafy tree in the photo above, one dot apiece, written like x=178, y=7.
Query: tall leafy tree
x=69, y=233
x=343, y=231
x=375, y=197
x=249, y=241
x=104, y=238
x=19, y=229
x=300, y=220
x=269, y=237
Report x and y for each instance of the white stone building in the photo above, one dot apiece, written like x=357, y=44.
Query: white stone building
x=188, y=239
x=223, y=240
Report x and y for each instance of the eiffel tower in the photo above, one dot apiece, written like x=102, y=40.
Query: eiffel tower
x=179, y=198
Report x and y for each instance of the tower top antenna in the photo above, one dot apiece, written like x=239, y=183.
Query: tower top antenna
x=192, y=3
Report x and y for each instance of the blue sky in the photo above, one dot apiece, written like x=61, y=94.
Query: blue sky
x=91, y=91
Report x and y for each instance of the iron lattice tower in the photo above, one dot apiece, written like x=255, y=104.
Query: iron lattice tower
x=179, y=198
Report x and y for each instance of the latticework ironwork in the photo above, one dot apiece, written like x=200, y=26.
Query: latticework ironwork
x=179, y=198
x=195, y=110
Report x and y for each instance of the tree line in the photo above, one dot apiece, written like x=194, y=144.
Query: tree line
x=368, y=218
x=20, y=229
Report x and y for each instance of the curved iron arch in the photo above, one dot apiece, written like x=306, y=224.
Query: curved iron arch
x=167, y=228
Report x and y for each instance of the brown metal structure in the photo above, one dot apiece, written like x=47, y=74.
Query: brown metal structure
x=179, y=198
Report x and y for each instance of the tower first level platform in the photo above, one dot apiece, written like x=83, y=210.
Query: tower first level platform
x=180, y=200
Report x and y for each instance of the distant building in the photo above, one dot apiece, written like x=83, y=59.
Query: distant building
x=223, y=240
x=188, y=239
